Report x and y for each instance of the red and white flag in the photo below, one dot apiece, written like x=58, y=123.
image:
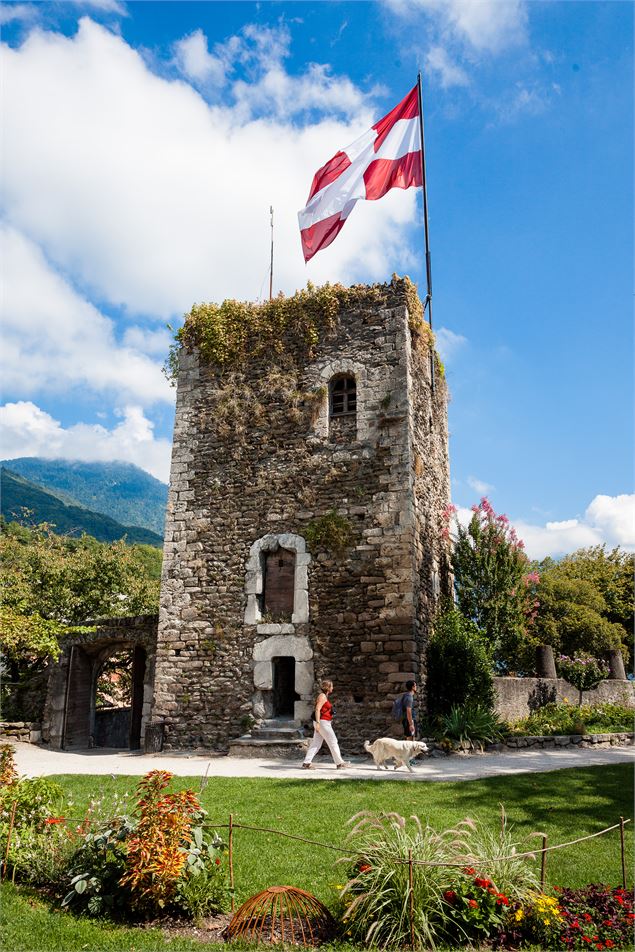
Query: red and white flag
x=387, y=156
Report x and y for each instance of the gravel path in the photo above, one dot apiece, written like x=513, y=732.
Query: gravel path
x=34, y=761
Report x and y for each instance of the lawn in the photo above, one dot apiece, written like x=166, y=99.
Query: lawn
x=564, y=804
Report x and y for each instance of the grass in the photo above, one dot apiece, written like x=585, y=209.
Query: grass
x=564, y=804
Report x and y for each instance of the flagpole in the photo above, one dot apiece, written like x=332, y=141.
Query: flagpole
x=428, y=301
x=271, y=265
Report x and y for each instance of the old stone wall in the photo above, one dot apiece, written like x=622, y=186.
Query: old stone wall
x=514, y=696
x=257, y=463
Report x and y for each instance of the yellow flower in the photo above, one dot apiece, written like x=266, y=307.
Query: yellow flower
x=519, y=915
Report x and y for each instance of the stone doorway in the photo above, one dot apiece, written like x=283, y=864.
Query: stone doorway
x=284, y=693
x=99, y=691
x=119, y=699
x=104, y=697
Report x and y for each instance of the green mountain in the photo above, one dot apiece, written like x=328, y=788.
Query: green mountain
x=18, y=494
x=122, y=491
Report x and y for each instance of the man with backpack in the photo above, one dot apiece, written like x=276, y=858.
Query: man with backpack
x=404, y=710
x=409, y=710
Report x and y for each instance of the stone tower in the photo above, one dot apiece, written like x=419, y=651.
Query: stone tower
x=303, y=534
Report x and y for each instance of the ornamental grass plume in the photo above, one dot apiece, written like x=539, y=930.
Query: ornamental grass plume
x=495, y=852
x=377, y=895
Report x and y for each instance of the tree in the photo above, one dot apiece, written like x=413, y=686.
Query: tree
x=587, y=601
x=51, y=582
x=495, y=587
x=459, y=668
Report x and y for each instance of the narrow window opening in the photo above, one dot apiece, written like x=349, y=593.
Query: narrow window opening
x=343, y=396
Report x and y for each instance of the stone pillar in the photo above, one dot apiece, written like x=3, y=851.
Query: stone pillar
x=616, y=665
x=545, y=665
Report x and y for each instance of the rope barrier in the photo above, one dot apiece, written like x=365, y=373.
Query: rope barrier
x=472, y=860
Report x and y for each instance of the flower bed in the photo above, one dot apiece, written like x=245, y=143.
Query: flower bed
x=157, y=861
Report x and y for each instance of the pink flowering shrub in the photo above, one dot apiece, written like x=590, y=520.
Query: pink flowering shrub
x=495, y=584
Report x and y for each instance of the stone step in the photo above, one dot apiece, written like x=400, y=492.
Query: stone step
x=248, y=746
x=274, y=722
x=277, y=733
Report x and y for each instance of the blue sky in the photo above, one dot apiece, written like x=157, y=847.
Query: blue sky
x=144, y=143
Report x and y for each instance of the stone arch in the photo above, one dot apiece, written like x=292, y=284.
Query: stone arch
x=254, y=581
x=343, y=367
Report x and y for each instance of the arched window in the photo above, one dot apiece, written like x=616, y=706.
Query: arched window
x=342, y=396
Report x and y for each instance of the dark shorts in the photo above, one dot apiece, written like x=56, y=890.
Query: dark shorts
x=406, y=727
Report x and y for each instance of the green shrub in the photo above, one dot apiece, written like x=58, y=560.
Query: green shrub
x=36, y=800
x=471, y=724
x=95, y=871
x=568, y=719
x=331, y=532
x=41, y=857
x=203, y=888
x=459, y=666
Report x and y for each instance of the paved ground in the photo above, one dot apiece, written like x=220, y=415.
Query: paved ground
x=37, y=761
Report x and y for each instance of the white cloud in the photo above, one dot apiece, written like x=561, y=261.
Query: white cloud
x=450, y=73
x=151, y=199
x=148, y=341
x=13, y=12
x=479, y=486
x=523, y=100
x=615, y=517
x=54, y=339
x=448, y=343
x=106, y=6
x=483, y=25
x=196, y=62
x=26, y=430
x=608, y=520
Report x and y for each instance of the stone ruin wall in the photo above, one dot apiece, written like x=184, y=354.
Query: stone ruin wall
x=240, y=479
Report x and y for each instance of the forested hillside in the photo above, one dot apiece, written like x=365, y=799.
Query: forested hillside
x=122, y=491
x=22, y=501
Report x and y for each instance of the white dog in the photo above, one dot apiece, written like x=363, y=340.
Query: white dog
x=401, y=751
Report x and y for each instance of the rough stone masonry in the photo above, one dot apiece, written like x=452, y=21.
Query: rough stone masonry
x=303, y=541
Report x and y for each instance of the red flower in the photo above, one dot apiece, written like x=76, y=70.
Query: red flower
x=217, y=861
x=630, y=915
x=575, y=924
x=620, y=900
x=585, y=938
x=609, y=943
x=364, y=867
x=469, y=870
x=482, y=883
x=502, y=900
x=50, y=820
x=449, y=895
x=586, y=917
x=473, y=904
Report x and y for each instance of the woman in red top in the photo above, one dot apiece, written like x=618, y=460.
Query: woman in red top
x=323, y=729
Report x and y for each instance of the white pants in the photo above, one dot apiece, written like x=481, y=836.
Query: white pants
x=326, y=734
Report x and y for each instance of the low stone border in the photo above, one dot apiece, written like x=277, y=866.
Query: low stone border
x=537, y=742
x=28, y=732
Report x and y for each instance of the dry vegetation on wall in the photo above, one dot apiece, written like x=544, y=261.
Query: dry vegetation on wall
x=230, y=334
